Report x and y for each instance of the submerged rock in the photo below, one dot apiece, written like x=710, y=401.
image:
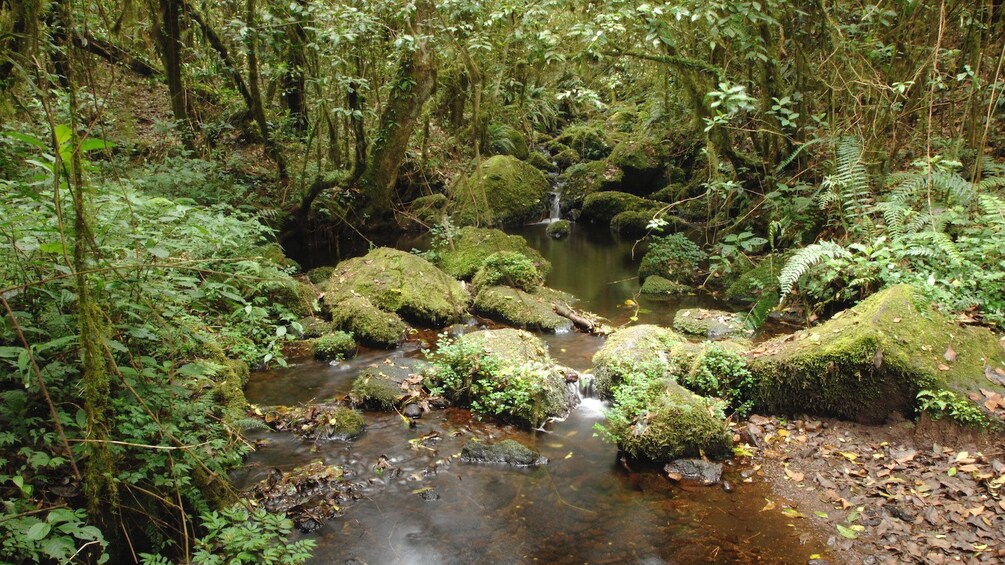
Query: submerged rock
x=504, y=192
x=472, y=246
x=642, y=348
x=707, y=473
x=309, y=495
x=520, y=309
x=872, y=360
x=319, y=422
x=400, y=283
x=507, y=451
x=710, y=324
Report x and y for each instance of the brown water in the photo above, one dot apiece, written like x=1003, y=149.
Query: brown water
x=586, y=506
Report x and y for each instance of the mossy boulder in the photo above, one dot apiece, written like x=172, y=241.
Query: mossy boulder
x=506, y=140
x=466, y=253
x=508, y=268
x=507, y=451
x=757, y=282
x=426, y=211
x=520, y=309
x=401, y=283
x=641, y=162
x=369, y=324
x=538, y=160
x=314, y=327
x=643, y=348
x=374, y=390
x=273, y=253
x=567, y=158
x=872, y=360
x=674, y=257
x=657, y=286
x=318, y=422
x=506, y=373
x=588, y=140
x=559, y=229
x=336, y=345
x=319, y=275
x=602, y=207
x=504, y=192
x=631, y=223
x=709, y=324
x=296, y=296
x=676, y=424
x=582, y=180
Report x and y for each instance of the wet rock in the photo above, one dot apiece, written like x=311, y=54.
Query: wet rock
x=505, y=191
x=869, y=362
x=728, y=487
x=659, y=287
x=412, y=410
x=711, y=324
x=559, y=229
x=465, y=254
x=315, y=422
x=428, y=494
x=309, y=495
x=508, y=451
x=628, y=350
x=521, y=309
x=701, y=471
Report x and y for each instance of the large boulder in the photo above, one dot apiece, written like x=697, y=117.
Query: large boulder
x=370, y=325
x=602, y=207
x=641, y=162
x=583, y=179
x=872, y=360
x=506, y=373
x=401, y=283
x=505, y=191
x=521, y=309
x=464, y=255
x=636, y=349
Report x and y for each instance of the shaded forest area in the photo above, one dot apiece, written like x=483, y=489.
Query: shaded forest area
x=165, y=165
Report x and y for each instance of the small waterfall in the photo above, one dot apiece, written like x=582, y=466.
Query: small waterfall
x=556, y=205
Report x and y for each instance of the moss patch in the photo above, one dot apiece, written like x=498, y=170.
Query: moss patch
x=315, y=422
x=320, y=275
x=337, y=345
x=643, y=348
x=584, y=179
x=521, y=309
x=472, y=246
x=314, y=327
x=602, y=207
x=538, y=160
x=710, y=324
x=369, y=324
x=505, y=192
x=590, y=141
x=374, y=390
x=401, y=283
x=657, y=286
x=641, y=161
x=425, y=212
x=673, y=257
x=873, y=359
x=508, y=268
x=559, y=229
x=566, y=158
x=755, y=283
x=506, y=140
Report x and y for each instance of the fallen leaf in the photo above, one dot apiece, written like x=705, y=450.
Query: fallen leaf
x=848, y=455
x=949, y=355
x=792, y=513
x=821, y=514
x=943, y=367
x=794, y=475
x=769, y=506
x=846, y=532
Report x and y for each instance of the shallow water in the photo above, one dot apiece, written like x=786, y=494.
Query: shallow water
x=586, y=506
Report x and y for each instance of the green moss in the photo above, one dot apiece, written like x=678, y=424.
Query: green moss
x=643, y=348
x=504, y=192
x=656, y=285
x=320, y=275
x=761, y=280
x=674, y=257
x=315, y=327
x=559, y=229
x=369, y=324
x=297, y=296
x=631, y=223
x=231, y=378
x=676, y=425
x=273, y=253
x=873, y=359
x=582, y=180
x=520, y=309
x=427, y=211
x=590, y=141
x=641, y=161
x=400, y=282
x=343, y=424
x=601, y=207
x=468, y=251
x=337, y=345
x=506, y=140
x=508, y=268
x=555, y=147
x=710, y=324
x=566, y=158
x=375, y=391
x=538, y=160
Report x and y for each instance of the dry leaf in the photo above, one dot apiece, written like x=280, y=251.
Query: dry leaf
x=949, y=355
x=943, y=367
x=794, y=475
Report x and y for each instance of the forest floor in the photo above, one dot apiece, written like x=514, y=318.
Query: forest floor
x=901, y=492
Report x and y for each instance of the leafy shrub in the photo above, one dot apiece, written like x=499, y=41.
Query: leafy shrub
x=236, y=535
x=508, y=268
x=673, y=257
x=722, y=373
x=941, y=403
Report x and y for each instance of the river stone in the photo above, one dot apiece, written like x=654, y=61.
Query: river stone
x=558, y=229
x=656, y=286
x=471, y=246
x=631, y=349
x=401, y=283
x=701, y=471
x=368, y=324
x=508, y=451
x=710, y=324
x=520, y=309
x=317, y=422
x=871, y=361
x=505, y=191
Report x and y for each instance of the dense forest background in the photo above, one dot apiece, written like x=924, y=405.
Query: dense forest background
x=156, y=153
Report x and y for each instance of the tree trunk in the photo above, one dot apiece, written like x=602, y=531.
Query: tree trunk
x=169, y=40
x=295, y=78
x=254, y=89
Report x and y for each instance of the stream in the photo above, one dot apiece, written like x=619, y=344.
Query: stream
x=585, y=506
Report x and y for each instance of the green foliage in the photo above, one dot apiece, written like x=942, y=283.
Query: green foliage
x=237, y=536
x=337, y=345
x=59, y=535
x=508, y=268
x=942, y=403
x=674, y=257
x=722, y=373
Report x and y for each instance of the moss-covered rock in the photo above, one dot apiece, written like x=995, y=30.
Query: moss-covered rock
x=426, y=212
x=273, y=253
x=582, y=180
x=559, y=229
x=555, y=147
x=520, y=309
x=296, y=296
x=872, y=360
x=402, y=283
x=641, y=161
x=336, y=345
x=369, y=324
x=506, y=373
x=757, y=282
x=601, y=207
x=588, y=140
x=710, y=324
x=538, y=160
x=472, y=246
x=657, y=286
x=636, y=349
x=314, y=327
x=231, y=375
x=373, y=390
x=677, y=424
x=504, y=192
x=507, y=451
x=319, y=275
x=508, y=268
x=315, y=421
x=631, y=223
x=673, y=257
x=567, y=158
x=506, y=140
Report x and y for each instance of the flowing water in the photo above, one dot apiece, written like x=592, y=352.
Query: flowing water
x=586, y=506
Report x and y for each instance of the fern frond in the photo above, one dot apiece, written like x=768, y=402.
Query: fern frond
x=991, y=183
x=759, y=312
x=955, y=189
x=933, y=239
x=802, y=260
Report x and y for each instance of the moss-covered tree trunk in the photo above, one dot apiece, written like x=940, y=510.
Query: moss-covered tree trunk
x=168, y=32
x=413, y=85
